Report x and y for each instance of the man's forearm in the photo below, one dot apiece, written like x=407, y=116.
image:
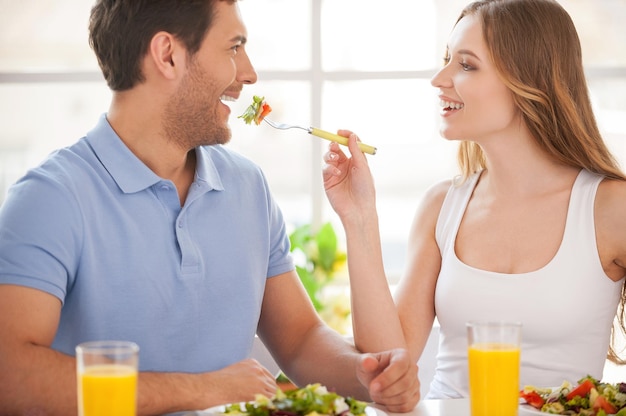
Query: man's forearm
x=159, y=393
x=43, y=382
x=330, y=359
x=39, y=381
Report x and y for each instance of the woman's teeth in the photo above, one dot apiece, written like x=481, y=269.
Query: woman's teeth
x=450, y=105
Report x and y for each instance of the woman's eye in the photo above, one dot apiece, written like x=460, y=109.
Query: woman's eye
x=466, y=67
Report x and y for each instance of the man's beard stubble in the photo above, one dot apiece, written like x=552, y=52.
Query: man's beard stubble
x=191, y=119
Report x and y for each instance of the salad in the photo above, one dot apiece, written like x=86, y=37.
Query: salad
x=313, y=400
x=257, y=111
x=590, y=397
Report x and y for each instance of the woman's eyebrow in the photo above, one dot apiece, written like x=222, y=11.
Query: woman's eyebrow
x=467, y=52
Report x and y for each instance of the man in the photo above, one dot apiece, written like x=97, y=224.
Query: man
x=149, y=230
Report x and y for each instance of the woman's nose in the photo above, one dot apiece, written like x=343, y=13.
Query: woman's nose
x=440, y=79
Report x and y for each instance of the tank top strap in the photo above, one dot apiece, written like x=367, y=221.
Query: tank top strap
x=452, y=211
x=580, y=233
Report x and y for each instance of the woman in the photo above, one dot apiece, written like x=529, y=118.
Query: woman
x=533, y=230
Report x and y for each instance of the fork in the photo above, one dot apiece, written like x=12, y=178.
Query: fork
x=323, y=134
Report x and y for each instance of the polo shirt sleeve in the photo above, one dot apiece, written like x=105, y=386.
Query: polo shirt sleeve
x=280, y=260
x=40, y=229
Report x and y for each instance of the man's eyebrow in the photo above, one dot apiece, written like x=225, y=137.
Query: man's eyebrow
x=239, y=38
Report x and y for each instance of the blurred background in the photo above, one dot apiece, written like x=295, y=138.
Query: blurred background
x=357, y=64
x=363, y=65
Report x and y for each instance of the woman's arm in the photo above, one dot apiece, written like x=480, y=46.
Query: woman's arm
x=350, y=189
x=415, y=295
x=378, y=323
x=308, y=351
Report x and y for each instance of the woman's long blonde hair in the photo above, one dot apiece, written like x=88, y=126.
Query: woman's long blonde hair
x=536, y=51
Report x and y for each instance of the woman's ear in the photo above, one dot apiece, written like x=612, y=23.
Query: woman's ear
x=167, y=54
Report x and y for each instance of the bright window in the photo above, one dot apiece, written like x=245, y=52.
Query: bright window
x=332, y=64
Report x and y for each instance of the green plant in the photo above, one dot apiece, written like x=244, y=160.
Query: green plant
x=318, y=258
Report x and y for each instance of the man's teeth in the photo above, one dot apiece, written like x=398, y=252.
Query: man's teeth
x=227, y=98
x=451, y=105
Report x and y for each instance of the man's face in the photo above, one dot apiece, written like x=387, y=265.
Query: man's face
x=196, y=114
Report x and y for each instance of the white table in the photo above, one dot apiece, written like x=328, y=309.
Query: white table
x=444, y=407
x=447, y=407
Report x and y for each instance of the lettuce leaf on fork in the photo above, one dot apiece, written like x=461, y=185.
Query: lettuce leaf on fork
x=256, y=111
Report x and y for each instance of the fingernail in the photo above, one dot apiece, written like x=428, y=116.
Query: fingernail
x=337, y=171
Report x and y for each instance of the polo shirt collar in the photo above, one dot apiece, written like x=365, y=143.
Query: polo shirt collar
x=206, y=171
x=128, y=171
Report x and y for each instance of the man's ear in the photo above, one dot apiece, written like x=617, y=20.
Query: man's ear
x=167, y=54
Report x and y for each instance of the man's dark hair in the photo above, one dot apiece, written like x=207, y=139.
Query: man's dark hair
x=120, y=32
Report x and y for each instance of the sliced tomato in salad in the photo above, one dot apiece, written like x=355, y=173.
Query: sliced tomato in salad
x=532, y=398
x=602, y=403
x=590, y=397
x=581, y=390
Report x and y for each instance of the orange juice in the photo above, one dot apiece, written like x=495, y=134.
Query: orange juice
x=494, y=379
x=107, y=390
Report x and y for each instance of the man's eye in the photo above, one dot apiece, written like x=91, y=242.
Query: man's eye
x=446, y=60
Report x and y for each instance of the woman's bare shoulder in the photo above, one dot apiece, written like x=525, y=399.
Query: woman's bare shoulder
x=430, y=205
x=610, y=219
x=611, y=194
x=610, y=203
x=438, y=191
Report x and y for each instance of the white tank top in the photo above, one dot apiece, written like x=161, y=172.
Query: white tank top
x=566, y=308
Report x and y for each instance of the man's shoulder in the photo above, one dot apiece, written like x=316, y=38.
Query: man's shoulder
x=63, y=164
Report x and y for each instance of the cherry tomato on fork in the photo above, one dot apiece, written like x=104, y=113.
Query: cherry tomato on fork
x=265, y=110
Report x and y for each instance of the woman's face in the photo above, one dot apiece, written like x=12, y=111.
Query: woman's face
x=476, y=105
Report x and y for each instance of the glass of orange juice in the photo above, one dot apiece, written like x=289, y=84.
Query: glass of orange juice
x=494, y=362
x=107, y=378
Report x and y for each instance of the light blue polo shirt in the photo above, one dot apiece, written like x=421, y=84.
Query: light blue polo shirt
x=98, y=229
